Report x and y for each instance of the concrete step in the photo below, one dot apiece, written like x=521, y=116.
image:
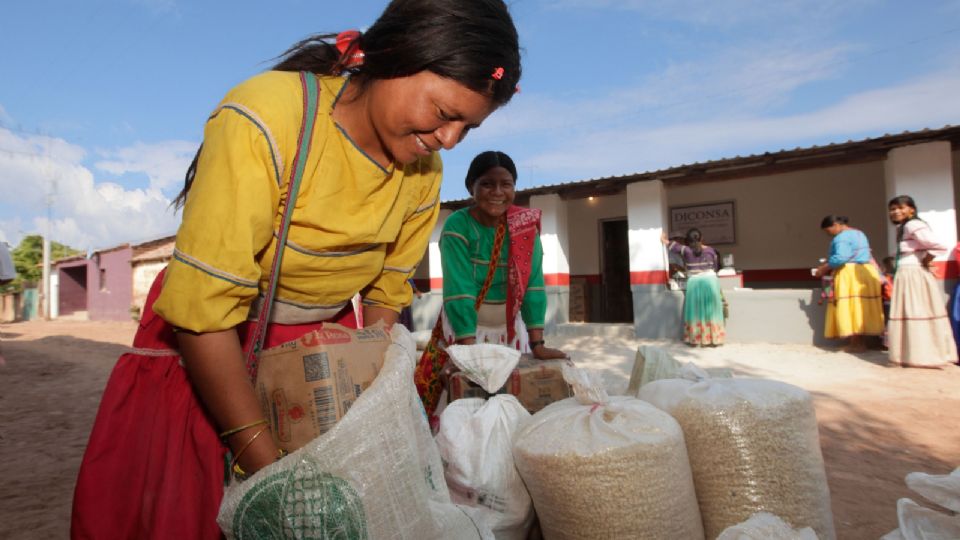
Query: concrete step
x=574, y=329
x=75, y=316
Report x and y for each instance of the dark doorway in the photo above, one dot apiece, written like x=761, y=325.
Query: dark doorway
x=73, y=290
x=615, y=272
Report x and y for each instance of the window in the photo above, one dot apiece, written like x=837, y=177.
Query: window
x=103, y=279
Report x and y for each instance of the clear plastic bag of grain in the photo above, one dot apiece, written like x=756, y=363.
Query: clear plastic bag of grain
x=753, y=446
x=606, y=467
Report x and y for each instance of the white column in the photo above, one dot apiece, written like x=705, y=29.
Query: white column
x=647, y=219
x=556, y=266
x=924, y=172
x=433, y=253
x=554, y=237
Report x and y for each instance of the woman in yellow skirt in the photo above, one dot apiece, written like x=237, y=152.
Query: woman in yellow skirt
x=855, y=309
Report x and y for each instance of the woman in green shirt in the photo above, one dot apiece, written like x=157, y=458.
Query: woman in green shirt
x=514, y=304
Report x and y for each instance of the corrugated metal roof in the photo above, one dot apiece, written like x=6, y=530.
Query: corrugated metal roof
x=784, y=159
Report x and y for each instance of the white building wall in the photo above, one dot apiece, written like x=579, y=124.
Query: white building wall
x=956, y=184
x=144, y=273
x=925, y=172
x=647, y=219
x=433, y=252
x=778, y=217
x=584, y=216
x=554, y=235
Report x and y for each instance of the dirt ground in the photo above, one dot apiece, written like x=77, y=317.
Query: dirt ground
x=877, y=422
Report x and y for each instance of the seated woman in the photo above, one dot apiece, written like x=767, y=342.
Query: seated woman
x=502, y=301
x=856, y=308
x=703, y=301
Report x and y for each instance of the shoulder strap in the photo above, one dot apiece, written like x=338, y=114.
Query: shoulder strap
x=310, y=98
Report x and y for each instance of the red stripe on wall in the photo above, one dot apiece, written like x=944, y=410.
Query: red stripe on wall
x=650, y=277
x=589, y=278
x=556, y=280
x=942, y=270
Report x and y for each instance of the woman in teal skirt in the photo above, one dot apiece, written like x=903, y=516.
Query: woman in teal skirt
x=703, y=303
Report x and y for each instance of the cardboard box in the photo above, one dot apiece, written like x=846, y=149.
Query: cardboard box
x=536, y=383
x=306, y=386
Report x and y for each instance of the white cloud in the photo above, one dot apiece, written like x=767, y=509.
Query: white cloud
x=164, y=163
x=84, y=213
x=739, y=81
x=927, y=102
x=5, y=118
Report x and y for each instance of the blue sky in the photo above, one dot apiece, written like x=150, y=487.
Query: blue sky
x=102, y=102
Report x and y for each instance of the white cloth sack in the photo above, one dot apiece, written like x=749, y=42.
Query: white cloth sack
x=753, y=446
x=766, y=526
x=653, y=363
x=486, y=364
x=600, y=467
x=422, y=338
x=942, y=489
x=920, y=523
x=476, y=446
x=375, y=475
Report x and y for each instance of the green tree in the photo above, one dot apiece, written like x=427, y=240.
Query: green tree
x=28, y=260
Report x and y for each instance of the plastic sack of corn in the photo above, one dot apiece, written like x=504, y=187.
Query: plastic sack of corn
x=600, y=466
x=376, y=474
x=753, y=446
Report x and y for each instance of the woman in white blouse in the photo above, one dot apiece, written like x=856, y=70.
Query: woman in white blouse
x=919, y=333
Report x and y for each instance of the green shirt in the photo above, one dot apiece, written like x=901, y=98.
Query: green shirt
x=465, y=248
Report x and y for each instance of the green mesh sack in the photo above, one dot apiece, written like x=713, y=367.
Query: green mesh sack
x=296, y=504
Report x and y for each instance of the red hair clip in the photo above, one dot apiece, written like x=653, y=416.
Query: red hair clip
x=347, y=41
x=498, y=73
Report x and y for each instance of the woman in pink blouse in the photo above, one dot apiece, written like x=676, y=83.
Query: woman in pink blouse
x=919, y=333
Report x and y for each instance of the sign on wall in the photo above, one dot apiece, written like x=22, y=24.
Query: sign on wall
x=716, y=221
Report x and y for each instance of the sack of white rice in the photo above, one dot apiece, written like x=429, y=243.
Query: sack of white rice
x=600, y=467
x=476, y=445
x=375, y=474
x=753, y=446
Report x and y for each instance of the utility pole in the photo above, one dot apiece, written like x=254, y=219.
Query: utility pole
x=45, y=300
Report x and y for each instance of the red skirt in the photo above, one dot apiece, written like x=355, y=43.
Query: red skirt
x=154, y=466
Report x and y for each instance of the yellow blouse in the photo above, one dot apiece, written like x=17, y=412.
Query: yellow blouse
x=355, y=227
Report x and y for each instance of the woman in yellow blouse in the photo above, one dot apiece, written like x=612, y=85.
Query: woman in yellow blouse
x=417, y=81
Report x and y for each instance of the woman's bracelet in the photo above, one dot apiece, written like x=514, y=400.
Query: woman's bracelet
x=236, y=430
x=235, y=467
